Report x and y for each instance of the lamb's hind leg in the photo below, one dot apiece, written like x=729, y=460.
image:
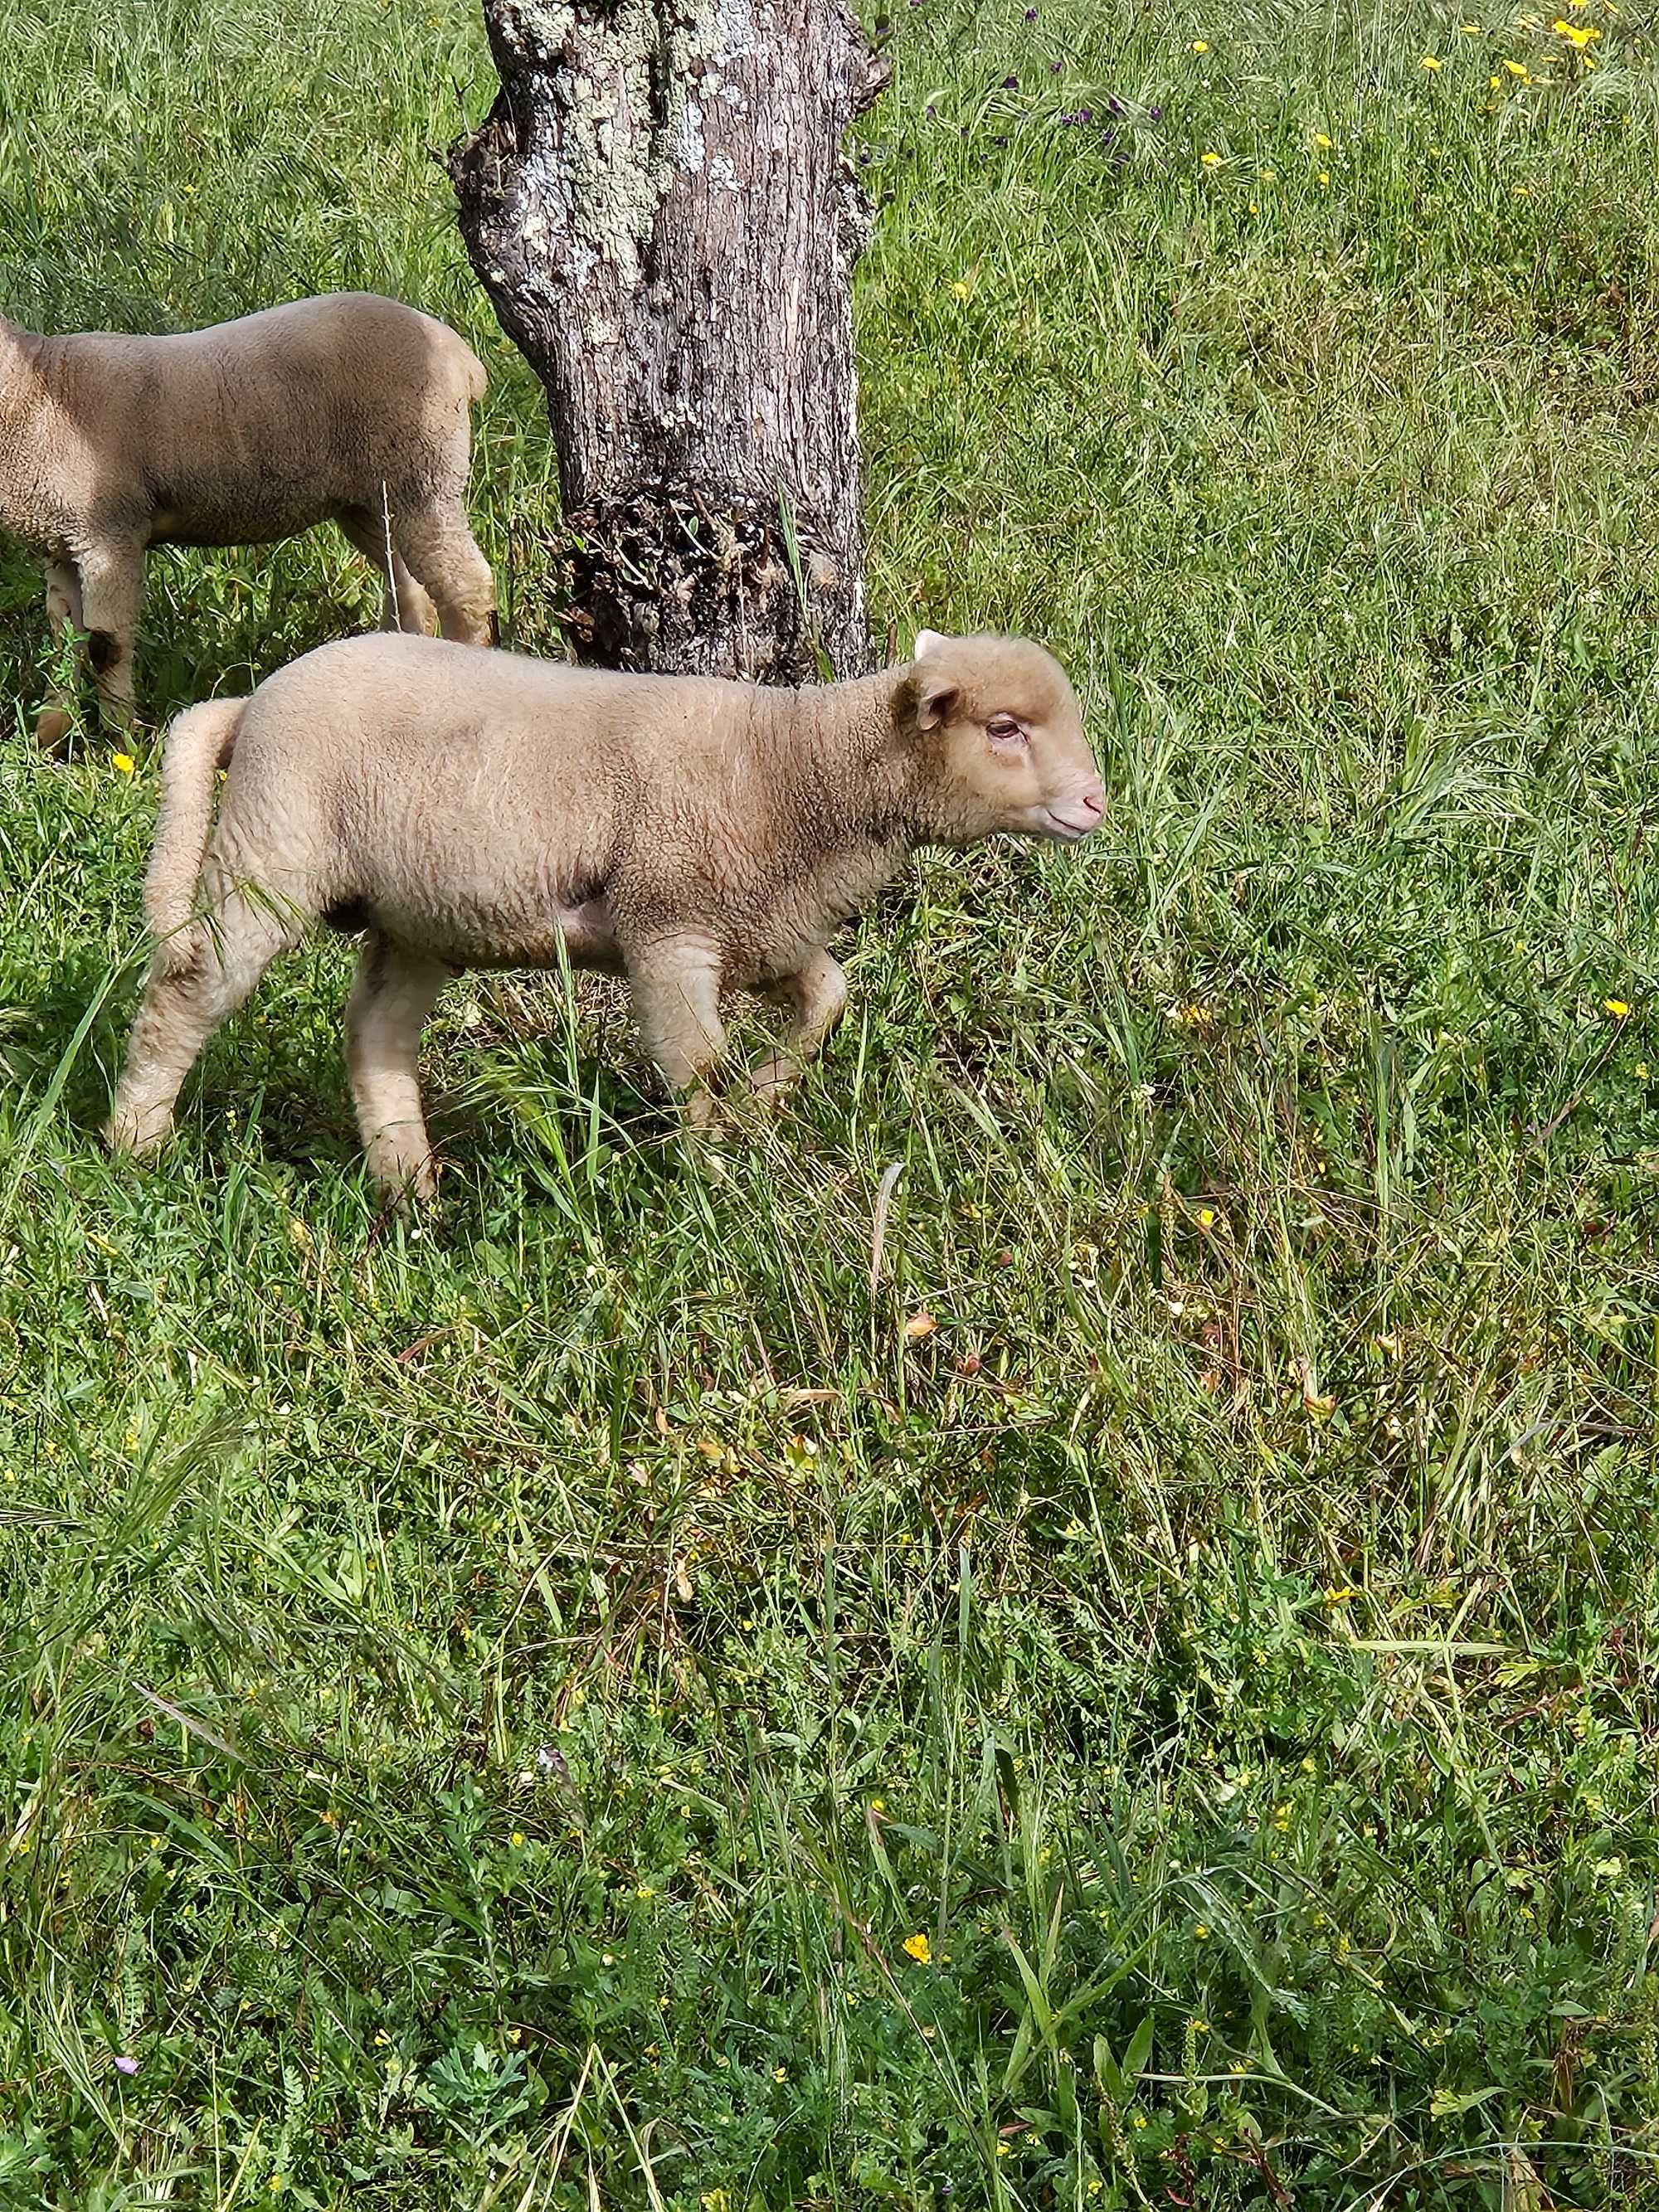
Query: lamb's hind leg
x=439, y=550
x=395, y=991
x=181, y=1011
x=112, y=590
x=404, y=605
x=63, y=616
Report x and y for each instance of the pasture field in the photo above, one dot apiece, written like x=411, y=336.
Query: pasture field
x=1153, y=1705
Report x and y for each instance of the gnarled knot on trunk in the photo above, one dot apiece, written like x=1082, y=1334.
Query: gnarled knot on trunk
x=662, y=577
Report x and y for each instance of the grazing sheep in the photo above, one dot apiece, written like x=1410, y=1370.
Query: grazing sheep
x=347, y=408
x=471, y=810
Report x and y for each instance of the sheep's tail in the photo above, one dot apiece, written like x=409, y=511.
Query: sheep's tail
x=199, y=743
x=478, y=376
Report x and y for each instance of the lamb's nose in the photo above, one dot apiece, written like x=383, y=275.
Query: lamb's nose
x=1092, y=798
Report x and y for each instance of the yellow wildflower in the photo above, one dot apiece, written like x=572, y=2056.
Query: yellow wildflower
x=1430, y=61
x=959, y=290
x=1201, y=1930
x=123, y=763
x=1340, y=1596
x=517, y=1837
x=1616, y=1007
x=1206, y=1213
x=1269, y=176
x=1324, y=176
x=1518, y=68
x=1200, y=45
x=1211, y=160
x=920, y=1949
x=1322, y=141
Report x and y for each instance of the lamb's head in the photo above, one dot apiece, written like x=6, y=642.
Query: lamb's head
x=996, y=741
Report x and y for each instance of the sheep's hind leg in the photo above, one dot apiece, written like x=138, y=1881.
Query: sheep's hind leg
x=181, y=1012
x=404, y=604
x=111, y=592
x=395, y=991
x=816, y=996
x=53, y=723
x=440, y=549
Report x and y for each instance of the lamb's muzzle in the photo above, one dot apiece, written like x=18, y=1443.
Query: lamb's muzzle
x=348, y=408
x=486, y=811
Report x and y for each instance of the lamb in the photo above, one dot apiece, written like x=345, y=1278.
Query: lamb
x=348, y=408
x=476, y=811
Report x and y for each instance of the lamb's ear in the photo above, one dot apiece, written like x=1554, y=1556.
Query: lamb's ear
x=935, y=692
x=936, y=695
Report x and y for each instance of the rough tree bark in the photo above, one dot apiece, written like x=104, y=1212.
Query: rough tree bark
x=660, y=211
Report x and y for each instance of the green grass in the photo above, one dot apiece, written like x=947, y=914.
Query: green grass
x=486, y=1705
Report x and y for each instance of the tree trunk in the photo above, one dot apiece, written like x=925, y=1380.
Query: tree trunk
x=660, y=211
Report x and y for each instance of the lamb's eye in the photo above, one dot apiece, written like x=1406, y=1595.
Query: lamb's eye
x=1003, y=730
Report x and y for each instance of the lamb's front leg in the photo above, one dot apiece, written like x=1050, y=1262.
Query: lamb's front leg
x=816, y=996
x=675, y=985
x=395, y=991
x=111, y=592
x=63, y=616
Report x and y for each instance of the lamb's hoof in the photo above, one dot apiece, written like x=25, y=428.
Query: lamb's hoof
x=406, y=1186
x=772, y=1079
x=700, y=1145
x=52, y=729
x=131, y=1135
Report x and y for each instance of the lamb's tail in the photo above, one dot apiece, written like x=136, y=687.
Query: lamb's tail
x=478, y=376
x=199, y=743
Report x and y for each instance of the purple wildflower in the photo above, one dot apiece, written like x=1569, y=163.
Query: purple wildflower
x=1010, y=84
x=126, y=2065
x=1115, y=103
x=1156, y=114
x=1055, y=68
x=1030, y=14
x=1086, y=115
x=1002, y=140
